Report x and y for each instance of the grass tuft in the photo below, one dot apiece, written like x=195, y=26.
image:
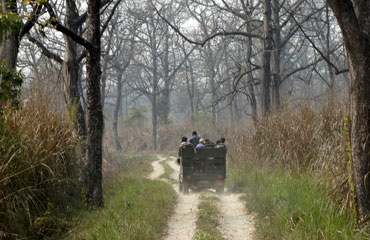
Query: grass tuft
x=207, y=224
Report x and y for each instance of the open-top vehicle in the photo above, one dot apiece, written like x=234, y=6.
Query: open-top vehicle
x=202, y=168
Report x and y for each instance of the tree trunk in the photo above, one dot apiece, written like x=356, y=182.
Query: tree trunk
x=330, y=68
x=154, y=122
x=190, y=86
x=165, y=100
x=253, y=101
x=250, y=83
x=276, y=80
x=105, y=68
x=9, y=45
x=94, y=191
x=267, y=47
x=117, y=106
x=154, y=103
x=70, y=71
x=352, y=17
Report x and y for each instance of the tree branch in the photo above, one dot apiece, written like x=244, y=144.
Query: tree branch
x=337, y=71
x=30, y=22
x=202, y=43
x=44, y=50
x=59, y=27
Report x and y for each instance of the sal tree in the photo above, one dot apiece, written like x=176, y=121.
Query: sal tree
x=353, y=19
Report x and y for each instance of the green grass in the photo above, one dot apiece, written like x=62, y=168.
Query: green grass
x=292, y=207
x=135, y=207
x=207, y=224
x=167, y=172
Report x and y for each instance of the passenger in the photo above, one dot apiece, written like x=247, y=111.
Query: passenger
x=208, y=143
x=200, y=144
x=194, y=139
x=223, y=143
x=184, y=141
x=218, y=142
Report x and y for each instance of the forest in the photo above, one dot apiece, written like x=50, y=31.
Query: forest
x=88, y=89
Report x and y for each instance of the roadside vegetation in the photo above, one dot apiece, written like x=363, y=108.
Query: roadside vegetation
x=296, y=176
x=41, y=193
x=135, y=207
x=207, y=224
x=39, y=171
x=293, y=166
x=293, y=207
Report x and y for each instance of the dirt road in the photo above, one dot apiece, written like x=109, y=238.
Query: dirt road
x=236, y=224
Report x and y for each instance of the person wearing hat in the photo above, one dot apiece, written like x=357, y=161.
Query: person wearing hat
x=200, y=144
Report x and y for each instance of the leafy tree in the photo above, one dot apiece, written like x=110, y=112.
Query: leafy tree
x=10, y=84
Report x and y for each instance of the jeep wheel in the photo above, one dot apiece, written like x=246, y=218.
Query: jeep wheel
x=186, y=188
x=181, y=187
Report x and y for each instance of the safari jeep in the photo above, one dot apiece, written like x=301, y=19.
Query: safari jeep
x=202, y=168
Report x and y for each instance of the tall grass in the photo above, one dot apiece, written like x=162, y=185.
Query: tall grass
x=39, y=169
x=297, y=140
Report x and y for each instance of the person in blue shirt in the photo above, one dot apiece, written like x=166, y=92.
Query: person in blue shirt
x=201, y=144
x=194, y=139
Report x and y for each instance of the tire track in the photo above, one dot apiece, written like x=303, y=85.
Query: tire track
x=182, y=223
x=236, y=224
x=157, y=169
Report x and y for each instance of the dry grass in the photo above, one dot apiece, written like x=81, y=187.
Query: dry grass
x=299, y=141
x=39, y=170
x=296, y=140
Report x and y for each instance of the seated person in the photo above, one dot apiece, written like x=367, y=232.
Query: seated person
x=222, y=143
x=208, y=143
x=184, y=141
x=201, y=144
x=194, y=139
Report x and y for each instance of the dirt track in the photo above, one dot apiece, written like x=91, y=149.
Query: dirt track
x=236, y=224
